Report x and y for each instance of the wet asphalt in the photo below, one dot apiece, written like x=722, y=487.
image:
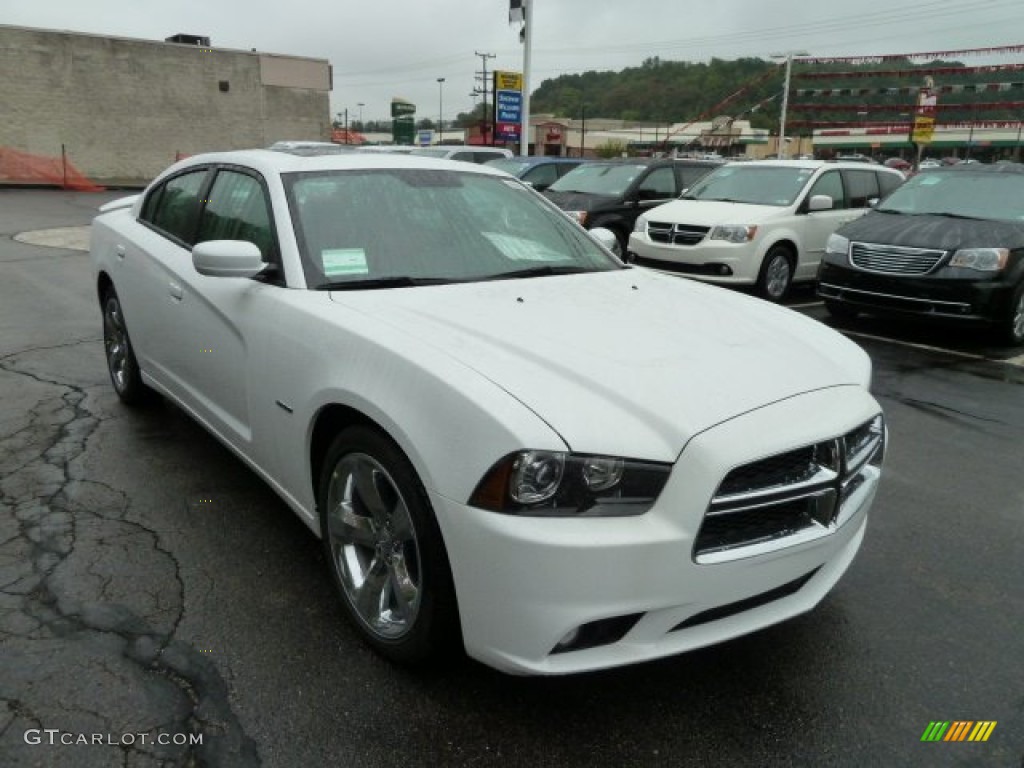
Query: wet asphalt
x=150, y=585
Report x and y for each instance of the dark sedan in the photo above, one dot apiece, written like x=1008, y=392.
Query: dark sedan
x=948, y=244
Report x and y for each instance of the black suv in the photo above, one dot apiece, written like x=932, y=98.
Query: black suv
x=947, y=244
x=613, y=193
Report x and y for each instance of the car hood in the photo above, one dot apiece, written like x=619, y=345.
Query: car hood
x=579, y=201
x=940, y=232
x=629, y=362
x=710, y=213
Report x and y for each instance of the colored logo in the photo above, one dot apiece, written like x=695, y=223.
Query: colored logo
x=958, y=730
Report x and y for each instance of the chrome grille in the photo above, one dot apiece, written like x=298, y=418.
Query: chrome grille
x=894, y=259
x=675, y=234
x=790, y=496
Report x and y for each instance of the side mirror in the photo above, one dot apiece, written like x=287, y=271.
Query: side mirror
x=227, y=258
x=820, y=203
x=606, y=238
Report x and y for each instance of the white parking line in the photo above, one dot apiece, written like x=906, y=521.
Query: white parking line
x=1015, y=361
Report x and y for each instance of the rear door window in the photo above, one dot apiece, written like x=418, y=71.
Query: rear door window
x=861, y=187
x=887, y=182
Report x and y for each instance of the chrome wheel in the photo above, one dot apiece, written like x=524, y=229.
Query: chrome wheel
x=116, y=344
x=777, y=277
x=373, y=546
x=1017, y=324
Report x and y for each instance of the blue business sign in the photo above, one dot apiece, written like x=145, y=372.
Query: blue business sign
x=508, y=106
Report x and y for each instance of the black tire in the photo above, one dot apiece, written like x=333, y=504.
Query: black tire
x=841, y=311
x=122, y=365
x=1012, y=329
x=776, y=276
x=384, y=548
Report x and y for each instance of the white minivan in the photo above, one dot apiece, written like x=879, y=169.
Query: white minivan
x=761, y=223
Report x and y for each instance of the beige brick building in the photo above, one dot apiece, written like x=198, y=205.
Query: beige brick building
x=124, y=109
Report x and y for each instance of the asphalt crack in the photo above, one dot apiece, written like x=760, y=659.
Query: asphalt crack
x=63, y=594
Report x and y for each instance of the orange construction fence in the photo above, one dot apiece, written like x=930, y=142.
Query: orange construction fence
x=18, y=167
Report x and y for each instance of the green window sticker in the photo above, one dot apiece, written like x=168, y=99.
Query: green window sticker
x=344, y=261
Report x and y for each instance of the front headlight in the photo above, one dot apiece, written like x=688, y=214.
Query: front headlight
x=733, y=234
x=640, y=225
x=556, y=484
x=580, y=217
x=837, y=244
x=980, y=259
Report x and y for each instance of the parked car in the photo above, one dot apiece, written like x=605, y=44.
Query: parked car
x=505, y=437
x=855, y=157
x=465, y=153
x=929, y=163
x=898, y=163
x=539, y=172
x=388, y=149
x=948, y=244
x=759, y=223
x=313, y=147
x=612, y=193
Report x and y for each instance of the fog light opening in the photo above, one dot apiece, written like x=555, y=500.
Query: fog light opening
x=596, y=633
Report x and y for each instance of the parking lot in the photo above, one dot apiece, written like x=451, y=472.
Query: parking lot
x=152, y=584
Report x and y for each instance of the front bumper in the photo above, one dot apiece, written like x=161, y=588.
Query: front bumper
x=981, y=301
x=713, y=261
x=524, y=583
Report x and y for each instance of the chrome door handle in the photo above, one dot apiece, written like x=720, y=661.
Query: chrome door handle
x=120, y=252
x=175, y=290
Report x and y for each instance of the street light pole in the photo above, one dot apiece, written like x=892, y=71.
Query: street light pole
x=440, y=109
x=361, y=126
x=524, y=137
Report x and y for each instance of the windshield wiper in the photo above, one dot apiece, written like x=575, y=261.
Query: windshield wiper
x=895, y=211
x=399, y=281
x=719, y=199
x=541, y=271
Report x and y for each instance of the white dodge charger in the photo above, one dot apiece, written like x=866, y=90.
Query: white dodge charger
x=507, y=440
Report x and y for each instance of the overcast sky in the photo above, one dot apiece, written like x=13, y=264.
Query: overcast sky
x=386, y=48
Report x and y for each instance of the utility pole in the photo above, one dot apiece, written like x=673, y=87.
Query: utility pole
x=487, y=120
x=781, y=153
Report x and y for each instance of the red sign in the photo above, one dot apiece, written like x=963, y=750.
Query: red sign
x=507, y=131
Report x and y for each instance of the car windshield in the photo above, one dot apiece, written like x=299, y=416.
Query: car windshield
x=515, y=167
x=757, y=185
x=981, y=195
x=391, y=227
x=599, y=179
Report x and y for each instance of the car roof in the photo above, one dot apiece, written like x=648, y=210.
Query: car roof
x=814, y=165
x=652, y=161
x=270, y=162
x=1000, y=167
x=538, y=159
